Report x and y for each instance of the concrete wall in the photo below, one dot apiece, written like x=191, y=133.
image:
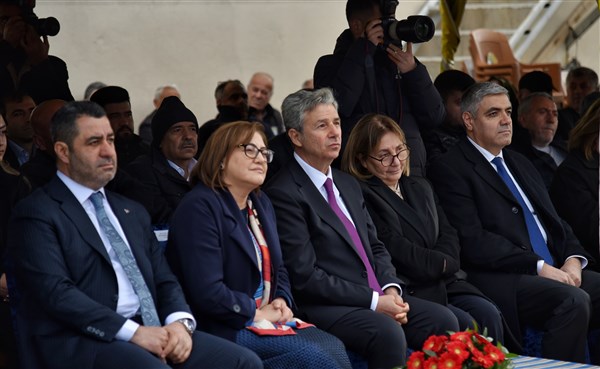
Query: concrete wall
x=141, y=44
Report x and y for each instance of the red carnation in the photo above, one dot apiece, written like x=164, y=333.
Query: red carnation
x=432, y=363
x=416, y=360
x=458, y=348
x=494, y=353
x=449, y=360
x=435, y=343
x=463, y=337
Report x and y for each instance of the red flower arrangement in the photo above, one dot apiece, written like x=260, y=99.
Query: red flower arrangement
x=460, y=350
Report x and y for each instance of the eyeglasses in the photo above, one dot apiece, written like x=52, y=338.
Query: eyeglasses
x=252, y=151
x=388, y=160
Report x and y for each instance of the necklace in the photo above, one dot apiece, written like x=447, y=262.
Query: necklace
x=396, y=190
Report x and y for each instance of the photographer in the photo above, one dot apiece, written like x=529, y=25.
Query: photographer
x=368, y=77
x=24, y=61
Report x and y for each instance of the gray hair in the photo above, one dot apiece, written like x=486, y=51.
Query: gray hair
x=473, y=96
x=160, y=90
x=525, y=105
x=296, y=105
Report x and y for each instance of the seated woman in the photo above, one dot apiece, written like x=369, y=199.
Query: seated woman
x=223, y=246
x=423, y=245
x=574, y=189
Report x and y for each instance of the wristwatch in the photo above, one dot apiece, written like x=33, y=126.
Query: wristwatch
x=188, y=324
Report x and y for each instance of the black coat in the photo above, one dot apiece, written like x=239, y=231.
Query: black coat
x=496, y=249
x=163, y=186
x=574, y=193
x=410, y=99
x=423, y=245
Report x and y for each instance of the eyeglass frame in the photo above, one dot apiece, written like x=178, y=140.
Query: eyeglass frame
x=266, y=153
x=397, y=156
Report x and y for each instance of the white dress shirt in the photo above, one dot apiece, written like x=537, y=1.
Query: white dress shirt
x=128, y=302
x=318, y=179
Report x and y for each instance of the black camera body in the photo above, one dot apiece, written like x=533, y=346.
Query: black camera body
x=415, y=28
x=43, y=26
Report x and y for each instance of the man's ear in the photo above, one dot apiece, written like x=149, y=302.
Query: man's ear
x=467, y=121
x=61, y=150
x=294, y=136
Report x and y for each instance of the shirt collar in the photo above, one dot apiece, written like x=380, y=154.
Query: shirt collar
x=80, y=192
x=180, y=170
x=486, y=154
x=316, y=176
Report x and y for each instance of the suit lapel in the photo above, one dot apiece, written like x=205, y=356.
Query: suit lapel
x=526, y=184
x=318, y=202
x=422, y=210
x=485, y=170
x=74, y=211
x=239, y=233
x=402, y=208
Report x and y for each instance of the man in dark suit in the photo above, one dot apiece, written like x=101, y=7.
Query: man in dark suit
x=342, y=276
x=515, y=247
x=95, y=290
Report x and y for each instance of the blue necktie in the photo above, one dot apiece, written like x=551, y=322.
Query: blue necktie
x=147, y=307
x=371, y=278
x=535, y=235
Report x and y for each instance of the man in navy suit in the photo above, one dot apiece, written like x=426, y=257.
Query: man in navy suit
x=515, y=247
x=95, y=290
x=342, y=276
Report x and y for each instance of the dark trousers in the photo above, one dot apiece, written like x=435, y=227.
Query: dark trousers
x=472, y=308
x=208, y=351
x=383, y=341
x=564, y=313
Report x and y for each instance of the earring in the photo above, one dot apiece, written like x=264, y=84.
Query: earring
x=222, y=166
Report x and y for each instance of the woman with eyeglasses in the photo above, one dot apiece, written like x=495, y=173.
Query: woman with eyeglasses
x=423, y=246
x=224, y=248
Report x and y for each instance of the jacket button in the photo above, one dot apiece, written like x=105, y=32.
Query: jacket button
x=523, y=247
x=515, y=210
x=236, y=308
x=364, y=274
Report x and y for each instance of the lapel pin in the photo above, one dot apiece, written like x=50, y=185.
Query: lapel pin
x=126, y=211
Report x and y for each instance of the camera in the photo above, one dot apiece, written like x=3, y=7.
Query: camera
x=415, y=28
x=43, y=26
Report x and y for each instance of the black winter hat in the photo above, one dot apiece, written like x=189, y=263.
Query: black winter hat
x=170, y=112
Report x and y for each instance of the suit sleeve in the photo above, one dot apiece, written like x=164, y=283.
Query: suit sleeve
x=426, y=104
x=41, y=270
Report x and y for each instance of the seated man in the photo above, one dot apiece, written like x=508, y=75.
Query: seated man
x=166, y=170
x=539, y=116
x=342, y=276
x=115, y=102
x=581, y=82
x=515, y=248
x=95, y=289
x=260, y=90
x=16, y=110
x=232, y=103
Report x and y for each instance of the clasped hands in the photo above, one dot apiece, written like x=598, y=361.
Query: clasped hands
x=569, y=273
x=392, y=304
x=404, y=59
x=171, y=341
x=275, y=312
